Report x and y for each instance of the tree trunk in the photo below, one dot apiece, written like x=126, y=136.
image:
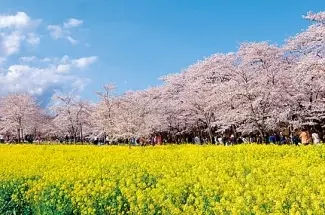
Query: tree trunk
x=81, y=138
x=18, y=132
x=261, y=134
x=211, y=135
x=22, y=135
x=19, y=128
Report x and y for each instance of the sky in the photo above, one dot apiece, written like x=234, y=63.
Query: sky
x=48, y=45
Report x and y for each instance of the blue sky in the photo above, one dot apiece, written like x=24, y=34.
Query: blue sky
x=132, y=43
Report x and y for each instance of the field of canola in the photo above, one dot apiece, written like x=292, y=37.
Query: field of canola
x=246, y=179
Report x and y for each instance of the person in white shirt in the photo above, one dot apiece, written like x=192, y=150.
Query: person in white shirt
x=197, y=140
x=245, y=140
x=220, y=141
x=316, y=139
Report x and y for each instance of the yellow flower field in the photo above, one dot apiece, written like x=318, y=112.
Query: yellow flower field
x=246, y=179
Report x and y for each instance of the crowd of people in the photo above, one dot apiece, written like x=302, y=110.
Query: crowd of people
x=298, y=137
x=303, y=137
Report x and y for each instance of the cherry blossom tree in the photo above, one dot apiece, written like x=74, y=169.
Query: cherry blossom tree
x=103, y=114
x=204, y=93
x=307, y=53
x=258, y=86
x=72, y=115
x=19, y=112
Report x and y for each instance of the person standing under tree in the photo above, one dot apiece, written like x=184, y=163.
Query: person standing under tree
x=272, y=139
x=315, y=137
x=2, y=139
x=197, y=140
x=295, y=138
x=304, y=137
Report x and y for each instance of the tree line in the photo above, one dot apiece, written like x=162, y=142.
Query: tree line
x=260, y=89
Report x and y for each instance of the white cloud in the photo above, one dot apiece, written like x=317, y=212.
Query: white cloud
x=64, y=31
x=43, y=74
x=14, y=30
x=36, y=74
x=64, y=60
x=56, y=31
x=28, y=59
x=33, y=39
x=46, y=59
x=16, y=72
x=36, y=80
x=72, y=23
x=10, y=43
x=71, y=40
x=63, y=68
x=66, y=64
x=84, y=61
x=20, y=20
